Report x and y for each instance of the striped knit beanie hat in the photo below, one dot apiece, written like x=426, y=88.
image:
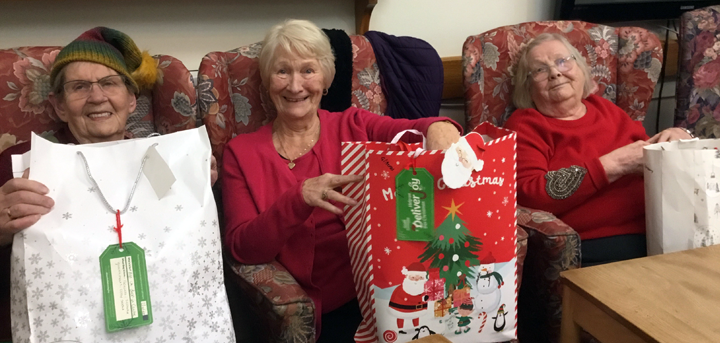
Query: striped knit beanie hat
x=113, y=49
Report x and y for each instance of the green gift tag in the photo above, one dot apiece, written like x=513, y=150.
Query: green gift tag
x=415, y=205
x=126, y=293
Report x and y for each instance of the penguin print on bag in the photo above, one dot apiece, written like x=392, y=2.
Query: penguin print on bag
x=422, y=331
x=500, y=319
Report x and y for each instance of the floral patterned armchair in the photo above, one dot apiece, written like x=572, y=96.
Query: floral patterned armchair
x=232, y=101
x=24, y=105
x=698, y=80
x=626, y=63
x=25, y=85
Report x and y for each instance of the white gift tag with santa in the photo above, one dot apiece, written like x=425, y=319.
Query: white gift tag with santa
x=462, y=159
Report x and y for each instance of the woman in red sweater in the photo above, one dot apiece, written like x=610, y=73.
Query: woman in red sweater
x=280, y=183
x=580, y=156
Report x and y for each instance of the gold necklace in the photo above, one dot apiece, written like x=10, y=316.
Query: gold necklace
x=291, y=164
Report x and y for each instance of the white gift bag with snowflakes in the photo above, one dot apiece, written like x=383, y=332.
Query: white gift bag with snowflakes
x=460, y=280
x=57, y=293
x=682, y=195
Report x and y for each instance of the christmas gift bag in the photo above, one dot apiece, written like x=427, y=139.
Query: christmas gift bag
x=125, y=255
x=433, y=238
x=682, y=196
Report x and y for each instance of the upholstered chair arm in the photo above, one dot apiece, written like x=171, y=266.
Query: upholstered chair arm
x=553, y=247
x=522, y=238
x=286, y=313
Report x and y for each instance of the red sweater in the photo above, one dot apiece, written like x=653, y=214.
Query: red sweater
x=267, y=218
x=597, y=208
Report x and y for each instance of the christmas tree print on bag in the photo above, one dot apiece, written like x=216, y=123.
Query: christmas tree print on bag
x=461, y=281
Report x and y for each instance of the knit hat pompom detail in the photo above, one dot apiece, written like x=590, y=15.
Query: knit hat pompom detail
x=112, y=49
x=146, y=74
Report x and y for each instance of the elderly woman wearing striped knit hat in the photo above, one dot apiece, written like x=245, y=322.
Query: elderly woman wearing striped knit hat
x=94, y=80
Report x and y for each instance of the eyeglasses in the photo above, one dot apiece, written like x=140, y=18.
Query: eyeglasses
x=562, y=65
x=109, y=85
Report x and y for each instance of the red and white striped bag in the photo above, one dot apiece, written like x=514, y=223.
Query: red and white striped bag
x=461, y=282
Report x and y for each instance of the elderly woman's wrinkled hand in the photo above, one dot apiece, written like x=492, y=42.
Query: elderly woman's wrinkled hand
x=441, y=135
x=669, y=135
x=318, y=191
x=624, y=160
x=22, y=203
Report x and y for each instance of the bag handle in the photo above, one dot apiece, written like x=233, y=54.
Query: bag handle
x=397, y=137
x=405, y=147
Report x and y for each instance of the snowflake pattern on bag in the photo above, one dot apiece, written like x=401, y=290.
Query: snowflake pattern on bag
x=60, y=304
x=56, y=289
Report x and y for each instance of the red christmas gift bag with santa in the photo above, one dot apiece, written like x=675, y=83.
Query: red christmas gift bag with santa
x=433, y=239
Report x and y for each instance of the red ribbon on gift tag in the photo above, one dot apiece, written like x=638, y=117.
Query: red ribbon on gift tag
x=118, y=227
x=413, y=156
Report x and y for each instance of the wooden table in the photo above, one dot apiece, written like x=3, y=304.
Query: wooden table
x=665, y=298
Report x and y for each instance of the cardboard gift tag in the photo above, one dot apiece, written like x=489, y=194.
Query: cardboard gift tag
x=126, y=293
x=462, y=159
x=415, y=205
x=158, y=172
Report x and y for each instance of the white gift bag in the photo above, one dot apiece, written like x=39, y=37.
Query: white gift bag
x=57, y=293
x=682, y=195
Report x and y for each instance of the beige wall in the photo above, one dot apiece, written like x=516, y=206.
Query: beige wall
x=185, y=29
x=446, y=24
x=188, y=29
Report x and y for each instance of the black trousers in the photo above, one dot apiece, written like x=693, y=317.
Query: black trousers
x=612, y=249
x=339, y=325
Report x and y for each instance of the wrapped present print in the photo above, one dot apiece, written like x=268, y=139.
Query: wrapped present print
x=442, y=307
x=431, y=220
x=435, y=287
x=459, y=295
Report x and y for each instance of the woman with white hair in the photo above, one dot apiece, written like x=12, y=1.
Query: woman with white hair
x=281, y=184
x=579, y=155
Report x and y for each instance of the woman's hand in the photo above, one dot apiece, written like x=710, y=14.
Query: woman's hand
x=22, y=203
x=213, y=170
x=318, y=191
x=624, y=160
x=441, y=135
x=669, y=135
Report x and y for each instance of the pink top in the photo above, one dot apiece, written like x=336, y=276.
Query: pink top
x=267, y=218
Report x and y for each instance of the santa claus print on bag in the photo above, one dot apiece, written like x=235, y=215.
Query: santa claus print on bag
x=409, y=300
